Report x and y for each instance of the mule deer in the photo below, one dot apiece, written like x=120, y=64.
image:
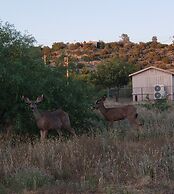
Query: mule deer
x=49, y=120
x=118, y=113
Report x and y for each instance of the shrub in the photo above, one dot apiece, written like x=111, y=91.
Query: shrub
x=30, y=179
x=3, y=189
x=22, y=72
x=159, y=105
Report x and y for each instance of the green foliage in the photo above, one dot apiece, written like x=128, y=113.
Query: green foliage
x=24, y=73
x=58, y=45
x=124, y=38
x=13, y=44
x=29, y=179
x=159, y=105
x=113, y=73
x=46, y=50
x=3, y=189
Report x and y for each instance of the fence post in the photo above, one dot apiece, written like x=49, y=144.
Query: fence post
x=141, y=94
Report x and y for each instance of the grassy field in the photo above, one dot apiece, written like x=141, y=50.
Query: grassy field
x=117, y=161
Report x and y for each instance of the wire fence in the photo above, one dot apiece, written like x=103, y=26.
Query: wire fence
x=122, y=93
x=152, y=93
x=142, y=93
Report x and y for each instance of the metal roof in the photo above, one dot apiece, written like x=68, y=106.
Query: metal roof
x=151, y=67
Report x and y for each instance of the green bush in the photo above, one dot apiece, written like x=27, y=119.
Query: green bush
x=22, y=72
x=159, y=105
x=3, y=189
x=30, y=179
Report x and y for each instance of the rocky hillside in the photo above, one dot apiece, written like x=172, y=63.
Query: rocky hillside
x=90, y=54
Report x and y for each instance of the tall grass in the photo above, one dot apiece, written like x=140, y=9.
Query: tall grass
x=116, y=161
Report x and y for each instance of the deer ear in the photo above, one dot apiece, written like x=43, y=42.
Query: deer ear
x=27, y=100
x=103, y=98
x=97, y=101
x=39, y=99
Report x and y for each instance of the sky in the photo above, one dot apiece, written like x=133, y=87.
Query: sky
x=72, y=21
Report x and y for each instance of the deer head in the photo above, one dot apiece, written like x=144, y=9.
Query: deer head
x=99, y=102
x=33, y=104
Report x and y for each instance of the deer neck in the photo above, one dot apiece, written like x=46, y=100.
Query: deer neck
x=103, y=109
x=37, y=114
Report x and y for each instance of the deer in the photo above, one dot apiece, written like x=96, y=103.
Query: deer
x=48, y=120
x=128, y=112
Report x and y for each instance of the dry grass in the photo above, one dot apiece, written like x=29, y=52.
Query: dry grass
x=116, y=161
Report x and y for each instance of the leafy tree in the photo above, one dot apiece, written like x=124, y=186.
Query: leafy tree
x=46, y=50
x=14, y=50
x=172, y=39
x=58, y=45
x=84, y=75
x=113, y=73
x=75, y=46
x=154, y=39
x=13, y=44
x=46, y=53
x=125, y=38
x=22, y=72
x=101, y=44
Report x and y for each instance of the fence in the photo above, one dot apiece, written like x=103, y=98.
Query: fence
x=150, y=93
x=142, y=93
x=122, y=93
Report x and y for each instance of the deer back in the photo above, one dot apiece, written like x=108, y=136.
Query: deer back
x=53, y=120
x=120, y=112
x=115, y=113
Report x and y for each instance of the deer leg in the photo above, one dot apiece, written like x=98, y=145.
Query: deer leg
x=72, y=131
x=139, y=125
x=59, y=132
x=45, y=132
x=134, y=122
x=41, y=135
x=110, y=124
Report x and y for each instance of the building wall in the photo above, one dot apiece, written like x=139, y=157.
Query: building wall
x=144, y=82
x=172, y=88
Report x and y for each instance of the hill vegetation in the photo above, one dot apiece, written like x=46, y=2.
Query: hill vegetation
x=89, y=54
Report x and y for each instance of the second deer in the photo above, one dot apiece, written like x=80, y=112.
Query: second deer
x=47, y=120
x=118, y=113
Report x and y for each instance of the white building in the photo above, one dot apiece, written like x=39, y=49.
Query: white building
x=152, y=83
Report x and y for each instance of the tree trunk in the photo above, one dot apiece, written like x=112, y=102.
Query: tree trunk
x=108, y=92
x=117, y=94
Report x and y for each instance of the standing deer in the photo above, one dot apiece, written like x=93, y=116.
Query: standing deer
x=47, y=120
x=118, y=113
